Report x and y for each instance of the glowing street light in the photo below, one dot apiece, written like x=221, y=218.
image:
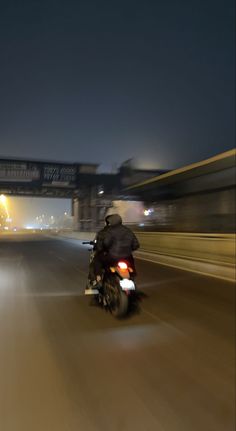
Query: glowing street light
x=3, y=201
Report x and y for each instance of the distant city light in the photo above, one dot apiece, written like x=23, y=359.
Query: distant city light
x=34, y=212
x=148, y=211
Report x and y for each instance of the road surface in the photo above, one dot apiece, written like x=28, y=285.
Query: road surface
x=66, y=365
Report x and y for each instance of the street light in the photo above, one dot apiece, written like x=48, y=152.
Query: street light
x=3, y=201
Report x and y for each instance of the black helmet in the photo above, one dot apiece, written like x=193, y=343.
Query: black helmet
x=107, y=220
x=114, y=220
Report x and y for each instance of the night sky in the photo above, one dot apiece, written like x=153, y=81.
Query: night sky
x=103, y=81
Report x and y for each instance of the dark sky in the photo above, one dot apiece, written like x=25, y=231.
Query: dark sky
x=103, y=81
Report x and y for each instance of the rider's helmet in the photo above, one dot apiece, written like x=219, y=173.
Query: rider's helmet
x=107, y=220
x=114, y=220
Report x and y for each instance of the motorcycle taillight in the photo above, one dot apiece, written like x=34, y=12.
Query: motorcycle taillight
x=122, y=265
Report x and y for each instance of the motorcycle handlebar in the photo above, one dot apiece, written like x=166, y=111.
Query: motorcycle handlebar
x=88, y=242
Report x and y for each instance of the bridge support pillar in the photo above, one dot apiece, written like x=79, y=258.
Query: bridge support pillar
x=89, y=210
x=76, y=213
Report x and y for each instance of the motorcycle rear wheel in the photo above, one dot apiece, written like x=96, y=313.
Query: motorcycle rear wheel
x=119, y=302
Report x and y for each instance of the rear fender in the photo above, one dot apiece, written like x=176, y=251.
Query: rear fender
x=122, y=273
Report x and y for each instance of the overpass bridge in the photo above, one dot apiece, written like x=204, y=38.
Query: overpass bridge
x=91, y=193
x=41, y=178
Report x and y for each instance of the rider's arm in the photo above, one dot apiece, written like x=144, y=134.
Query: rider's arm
x=100, y=237
x=135, y=243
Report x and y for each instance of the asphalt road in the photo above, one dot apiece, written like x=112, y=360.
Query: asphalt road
x=66, y=365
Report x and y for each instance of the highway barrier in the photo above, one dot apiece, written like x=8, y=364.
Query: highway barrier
x=207, y=254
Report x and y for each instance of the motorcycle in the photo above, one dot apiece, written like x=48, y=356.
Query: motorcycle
x=117, y=286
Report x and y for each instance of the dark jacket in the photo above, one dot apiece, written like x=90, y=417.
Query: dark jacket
x=99, y=246
x=119, y=240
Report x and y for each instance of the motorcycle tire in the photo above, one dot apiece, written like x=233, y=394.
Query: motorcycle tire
x=121, y=308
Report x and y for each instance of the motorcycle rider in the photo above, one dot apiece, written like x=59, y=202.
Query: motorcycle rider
x=94, y=275
x=117, y=242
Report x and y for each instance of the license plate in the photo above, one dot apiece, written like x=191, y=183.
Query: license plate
x=126, y=284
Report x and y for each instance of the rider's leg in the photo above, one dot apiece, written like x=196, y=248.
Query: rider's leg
x=98, y=263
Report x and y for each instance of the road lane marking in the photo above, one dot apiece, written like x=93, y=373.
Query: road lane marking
x=60, y=258
x=51, y=294
x=156, y=284
x=65, y=260
x=163, y=322
x=80, y=270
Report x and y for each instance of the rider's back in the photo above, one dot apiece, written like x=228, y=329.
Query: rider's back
x=119, y=240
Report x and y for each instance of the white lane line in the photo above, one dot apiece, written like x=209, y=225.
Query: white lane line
x=75, y=268
x=51, y=294
x=56, y=256
x=154, y=316
x=60, y=258
x=156, y=284
x=164, y=323
x=80, y=270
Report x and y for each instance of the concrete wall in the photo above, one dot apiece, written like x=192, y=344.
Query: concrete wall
x=208, y=254
x=211, y=211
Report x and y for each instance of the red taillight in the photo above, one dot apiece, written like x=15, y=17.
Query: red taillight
x=122, y=265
